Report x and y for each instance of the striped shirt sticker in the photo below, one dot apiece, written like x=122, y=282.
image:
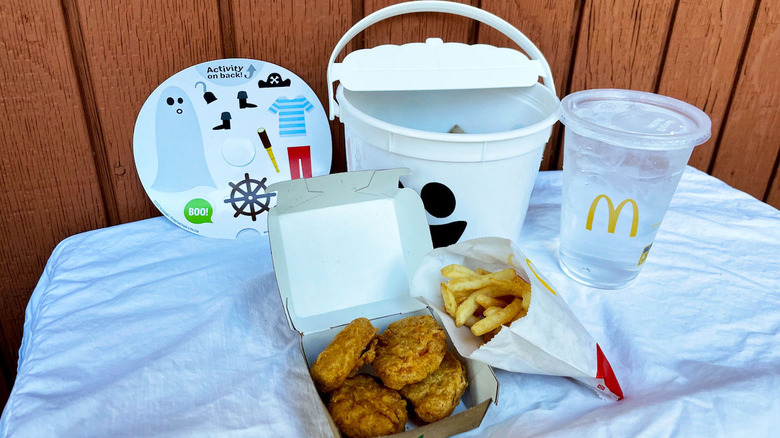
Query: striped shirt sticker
x=292, y=115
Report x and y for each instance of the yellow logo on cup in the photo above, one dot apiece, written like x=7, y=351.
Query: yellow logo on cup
x=614, y=213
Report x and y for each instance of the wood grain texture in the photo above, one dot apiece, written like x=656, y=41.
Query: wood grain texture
x=702, y=60
x=412, y=28
x=551, y=26
x=49, y=185
x=748, y=148
x=130, y=48
x=772, y=196
x=227, y=28
x=620, y=45
x=773, y=191
x=300, y=37
x=91, y=117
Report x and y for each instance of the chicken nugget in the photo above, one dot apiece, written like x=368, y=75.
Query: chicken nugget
x=347, y=352
x=409, y=350
x=362, y=407
x=436, y=396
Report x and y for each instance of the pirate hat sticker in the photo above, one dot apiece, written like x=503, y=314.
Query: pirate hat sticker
x=274, y=80
x=207, y=143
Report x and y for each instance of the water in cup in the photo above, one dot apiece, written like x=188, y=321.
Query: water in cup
x=607, y=235
x=624, y=154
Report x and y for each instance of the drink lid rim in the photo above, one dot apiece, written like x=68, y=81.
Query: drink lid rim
x=634, y=140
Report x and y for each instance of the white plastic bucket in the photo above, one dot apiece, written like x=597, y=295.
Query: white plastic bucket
x=474, y=184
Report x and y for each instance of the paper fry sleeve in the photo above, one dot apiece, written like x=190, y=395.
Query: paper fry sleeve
x=549, y=340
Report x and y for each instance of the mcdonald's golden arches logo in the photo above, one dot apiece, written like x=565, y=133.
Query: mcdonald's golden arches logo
x=614, y=213
x=512, y=260
x=544, y=283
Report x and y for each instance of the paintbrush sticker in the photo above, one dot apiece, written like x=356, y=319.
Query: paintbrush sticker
x=267, y=145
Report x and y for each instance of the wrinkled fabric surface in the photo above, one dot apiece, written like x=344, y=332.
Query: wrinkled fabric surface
x=144, y=329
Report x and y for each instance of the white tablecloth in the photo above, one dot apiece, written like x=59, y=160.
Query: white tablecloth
x=144, y=329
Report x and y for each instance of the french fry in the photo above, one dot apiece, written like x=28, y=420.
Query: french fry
x=487, y=302
x=466, y=308
x=479, y=281
x=498, y=318
x=515, y=287
x=471, y=321
x=461, y=294
x=497, y=288
x=450, y=304
x=473, y=298
x=521, y=313
x=457, y=271
x=526, y=299
x=491, y=310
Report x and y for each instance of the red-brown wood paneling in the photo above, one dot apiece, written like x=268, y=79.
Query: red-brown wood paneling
x=129, y=49
x=748, y=148
x=413, y=28
x=49, y=184
x=773, y=191
x=620, y=44
x=702, y=59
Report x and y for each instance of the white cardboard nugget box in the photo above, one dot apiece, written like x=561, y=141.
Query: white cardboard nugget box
x=346, y=246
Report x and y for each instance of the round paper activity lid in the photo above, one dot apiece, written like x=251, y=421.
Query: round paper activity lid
x=211, y=139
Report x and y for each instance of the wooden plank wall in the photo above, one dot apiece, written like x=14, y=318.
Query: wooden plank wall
x=76, y=72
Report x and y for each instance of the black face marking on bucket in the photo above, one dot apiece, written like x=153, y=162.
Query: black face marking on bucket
x=447, y=234
x=439, y=201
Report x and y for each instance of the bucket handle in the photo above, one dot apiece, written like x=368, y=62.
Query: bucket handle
x=437, y=6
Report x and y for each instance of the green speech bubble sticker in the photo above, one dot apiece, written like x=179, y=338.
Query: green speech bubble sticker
x=198, y=211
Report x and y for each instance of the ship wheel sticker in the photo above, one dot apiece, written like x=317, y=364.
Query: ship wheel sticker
x=247, y=199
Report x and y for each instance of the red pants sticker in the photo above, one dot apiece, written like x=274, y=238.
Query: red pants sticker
x=300, y=161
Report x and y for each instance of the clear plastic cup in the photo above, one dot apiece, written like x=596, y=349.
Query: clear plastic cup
x=624, y=154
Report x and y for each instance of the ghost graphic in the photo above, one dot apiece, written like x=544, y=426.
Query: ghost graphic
x=181, y=160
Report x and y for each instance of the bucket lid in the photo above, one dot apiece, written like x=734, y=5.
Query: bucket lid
x=635, y=119
x=436, y=65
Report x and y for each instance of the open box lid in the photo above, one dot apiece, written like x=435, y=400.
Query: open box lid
x=346, y=246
